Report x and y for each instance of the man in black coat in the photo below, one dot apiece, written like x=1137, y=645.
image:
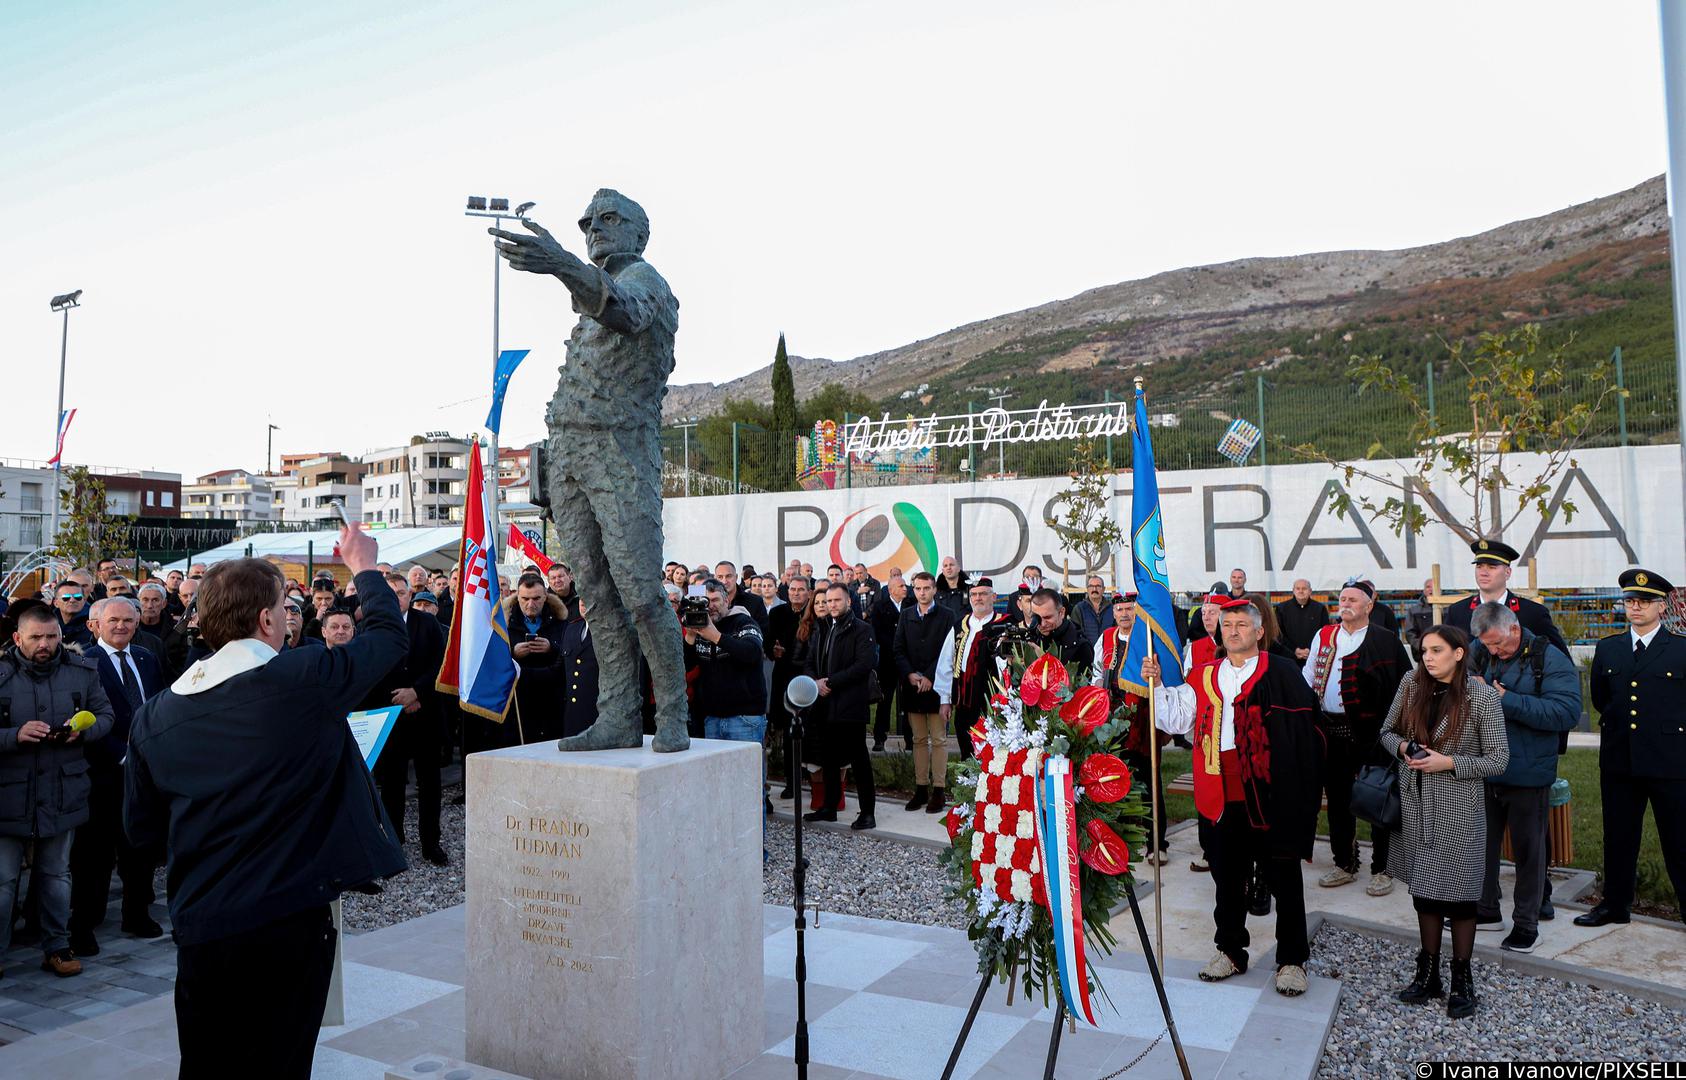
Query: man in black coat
x=922, y=633
x=579, y=676
x=1301, y=616
x=1639, y=689
x=738, y=596
x=1493, y=564
x=841, y=658
x=245, y=774
x=781, y=648
x=537, y=619
x=417, y=735
x=1058, y=633
x=885, y=614
x=130, y=675
x=71, y=600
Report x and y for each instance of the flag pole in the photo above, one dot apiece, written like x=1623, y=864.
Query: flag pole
x=520, y=732
x=1154, y=791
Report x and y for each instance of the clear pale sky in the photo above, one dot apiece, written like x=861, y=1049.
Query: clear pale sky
x=262, y=201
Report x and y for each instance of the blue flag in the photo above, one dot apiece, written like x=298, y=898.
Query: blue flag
x=1156, y=619
x=508, y=361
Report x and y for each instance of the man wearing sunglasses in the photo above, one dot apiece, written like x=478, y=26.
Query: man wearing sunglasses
x=70, y=600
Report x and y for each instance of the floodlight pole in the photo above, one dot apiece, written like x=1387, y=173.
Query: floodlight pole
x=1673, y=26
x=63, y=303
x=498, y=213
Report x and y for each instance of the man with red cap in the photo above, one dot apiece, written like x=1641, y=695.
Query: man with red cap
x=1257, y=780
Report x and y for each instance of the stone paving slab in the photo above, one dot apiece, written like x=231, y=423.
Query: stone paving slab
x=885, y=1002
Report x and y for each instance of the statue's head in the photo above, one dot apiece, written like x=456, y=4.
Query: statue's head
x=614, y=225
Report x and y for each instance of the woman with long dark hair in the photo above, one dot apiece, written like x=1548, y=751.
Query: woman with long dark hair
x=1447, y=730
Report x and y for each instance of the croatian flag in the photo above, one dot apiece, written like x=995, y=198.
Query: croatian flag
x=1056, y=808
x=65, y=417
x=479, y=668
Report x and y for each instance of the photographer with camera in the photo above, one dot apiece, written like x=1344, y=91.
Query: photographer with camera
x=724, y=644
x=1052, y=631
x=43, y=685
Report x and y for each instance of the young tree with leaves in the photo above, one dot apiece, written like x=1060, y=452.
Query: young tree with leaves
x=1081, y=516
x=86, y=533
x=1517, y=398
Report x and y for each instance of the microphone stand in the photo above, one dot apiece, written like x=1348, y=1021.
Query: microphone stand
x=799, y=879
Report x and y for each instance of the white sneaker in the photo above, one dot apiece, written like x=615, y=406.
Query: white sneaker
x=1380, y=885
x=1337, y=877
x=1218, y=968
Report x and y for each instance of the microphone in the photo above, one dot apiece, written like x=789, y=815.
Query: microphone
x=82, y=721
x=801, y=693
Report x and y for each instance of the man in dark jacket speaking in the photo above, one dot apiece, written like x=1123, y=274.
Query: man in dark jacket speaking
x=244, y=773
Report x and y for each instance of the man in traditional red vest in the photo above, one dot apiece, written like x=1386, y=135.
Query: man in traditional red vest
x=1257, y=781
x=1355, y=668
x=1112, y=657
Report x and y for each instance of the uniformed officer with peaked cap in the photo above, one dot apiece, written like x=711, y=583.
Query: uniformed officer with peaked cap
x=1639, y=689
x=1494, y=560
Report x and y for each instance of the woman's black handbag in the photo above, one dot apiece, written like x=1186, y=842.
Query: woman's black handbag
x=1375, y=795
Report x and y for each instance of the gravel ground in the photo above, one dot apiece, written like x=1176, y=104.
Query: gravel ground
x=1520, y=1018
x=423, y=887
x=856, y=875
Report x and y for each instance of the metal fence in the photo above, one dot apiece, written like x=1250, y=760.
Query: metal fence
x=1292, y=408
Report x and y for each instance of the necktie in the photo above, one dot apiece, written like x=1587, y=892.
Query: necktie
x=131, y=686
x=1638, y=648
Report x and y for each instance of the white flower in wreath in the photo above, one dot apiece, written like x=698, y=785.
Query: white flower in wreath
x=1010, y=790
x=1021, y=886
x=1027, y=827
x=977, y=846
x=992, y=817
x=998, y=763
x=1003, y=850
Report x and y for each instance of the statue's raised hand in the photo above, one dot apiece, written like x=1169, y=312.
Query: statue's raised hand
x=536, y=254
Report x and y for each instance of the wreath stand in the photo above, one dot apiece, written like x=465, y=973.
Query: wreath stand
x=1060, y=1013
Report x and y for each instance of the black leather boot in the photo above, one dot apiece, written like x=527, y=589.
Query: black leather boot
x=1426, y=984
x=938, y=801
x=1461, y=1001
x=920, y=794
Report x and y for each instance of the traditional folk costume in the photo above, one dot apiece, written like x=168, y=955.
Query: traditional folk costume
x=1354, y=677
x=1112, y=655
x=1257, y=781
x=966, y=670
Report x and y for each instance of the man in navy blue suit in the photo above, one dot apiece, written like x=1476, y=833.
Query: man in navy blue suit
x=130, y=675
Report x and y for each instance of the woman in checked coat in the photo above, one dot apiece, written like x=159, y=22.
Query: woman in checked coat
x=1447, y=730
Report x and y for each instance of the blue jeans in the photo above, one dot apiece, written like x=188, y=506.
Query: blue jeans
x=52, y=870
x=740, y=729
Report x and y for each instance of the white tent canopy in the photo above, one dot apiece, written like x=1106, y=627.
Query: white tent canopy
x=434, y=548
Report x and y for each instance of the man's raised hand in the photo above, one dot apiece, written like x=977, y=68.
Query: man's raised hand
x=536, y=254
x=358, y=550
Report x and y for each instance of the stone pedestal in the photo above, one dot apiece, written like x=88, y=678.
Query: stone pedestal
x=614, y=911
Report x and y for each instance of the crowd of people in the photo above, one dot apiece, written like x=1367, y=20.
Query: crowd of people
x=1284, y=707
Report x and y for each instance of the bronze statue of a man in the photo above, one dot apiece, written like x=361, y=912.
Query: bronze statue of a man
x=605, y=462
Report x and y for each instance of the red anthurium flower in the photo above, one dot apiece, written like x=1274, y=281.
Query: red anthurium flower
x=1107, y=852
x=1088, y=708
x=1105, y=779
x=979, y=737
x=1042, y=682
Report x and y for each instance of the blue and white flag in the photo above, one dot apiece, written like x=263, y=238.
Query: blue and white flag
x=1155, y=614
x=508, y=361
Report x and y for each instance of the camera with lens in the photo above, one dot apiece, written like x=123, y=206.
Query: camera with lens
x=693, y=611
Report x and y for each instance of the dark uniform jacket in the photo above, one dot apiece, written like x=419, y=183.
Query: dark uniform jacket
x=1641, y=702
x=255, y=787
x=578, y=673
x=1530, y=613
x=44, y=785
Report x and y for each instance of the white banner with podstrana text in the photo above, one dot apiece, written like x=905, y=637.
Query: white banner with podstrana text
x=1272, y=521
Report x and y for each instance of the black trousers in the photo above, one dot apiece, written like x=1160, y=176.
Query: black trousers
x=415, y=738
x=846, y=745
x=1234, y=847
x=1340, y=769
x=256, y=998
x=1526, y=811
x=99, y=846
x=1624, y=815
x=891, y=708
x=1140, y=766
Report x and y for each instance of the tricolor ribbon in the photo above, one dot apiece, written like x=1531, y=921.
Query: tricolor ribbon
x=1056, y=816
x=65, y=417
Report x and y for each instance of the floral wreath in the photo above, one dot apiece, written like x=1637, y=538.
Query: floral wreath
x=994, y=862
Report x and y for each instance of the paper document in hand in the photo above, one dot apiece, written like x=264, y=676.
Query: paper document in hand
x=370, y=727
